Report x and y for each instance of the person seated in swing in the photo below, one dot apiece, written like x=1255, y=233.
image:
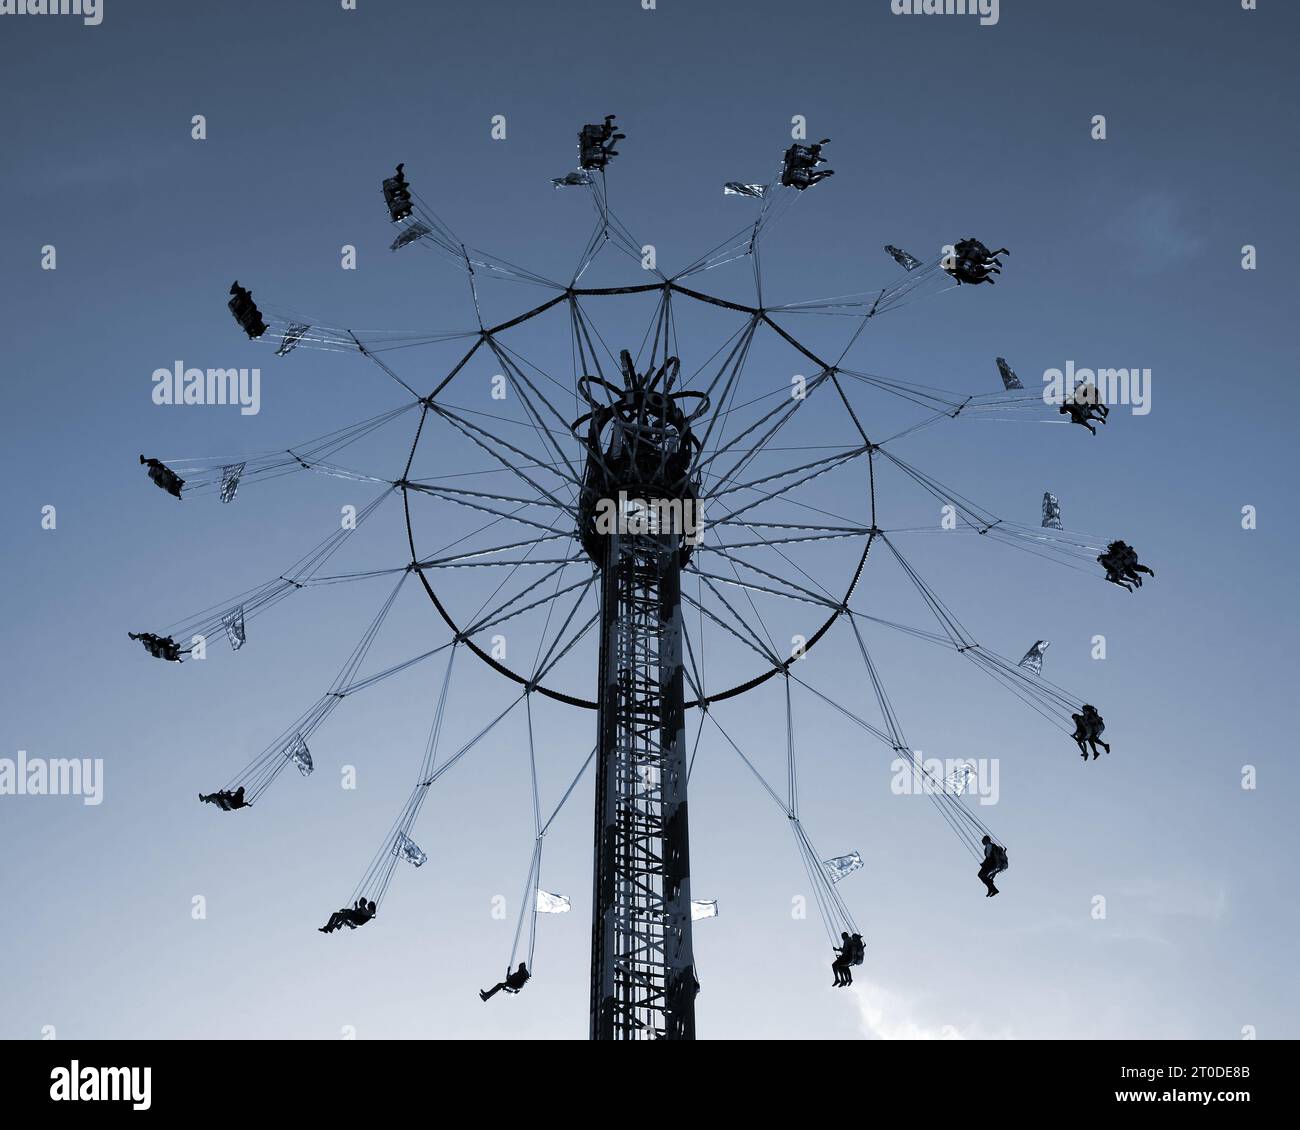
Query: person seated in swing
x=1084, y=414
x=350, y=916
x=1131, y=567
x=800, y=163
x=245, y=310
x=1122, y=566
x=160, y=647
x=596, y=143
x=995, y=860
x=973, y=263
x=1087, y=395
x=843, y=959
x=1084, y=406
x=514, y=981
x=163, y=476
x=1088, y=727
x=242, y=297
x=226, y=800
x=1117, y=563
x=859, y=954
x=1135, y=567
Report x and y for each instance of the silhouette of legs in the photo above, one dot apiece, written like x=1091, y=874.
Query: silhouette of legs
x=986, y=874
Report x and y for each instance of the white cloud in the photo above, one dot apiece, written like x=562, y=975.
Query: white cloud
x=886, y=1016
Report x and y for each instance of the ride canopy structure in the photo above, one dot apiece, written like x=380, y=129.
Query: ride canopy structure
x=639, y=533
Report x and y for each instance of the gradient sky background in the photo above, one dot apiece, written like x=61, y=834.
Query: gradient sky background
x=1125, y=253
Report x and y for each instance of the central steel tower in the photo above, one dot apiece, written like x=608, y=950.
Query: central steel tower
x=638, y=520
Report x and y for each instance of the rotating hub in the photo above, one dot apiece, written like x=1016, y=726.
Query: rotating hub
x=639, y=477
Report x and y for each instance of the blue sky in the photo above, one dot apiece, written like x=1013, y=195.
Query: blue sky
x=1125, y=252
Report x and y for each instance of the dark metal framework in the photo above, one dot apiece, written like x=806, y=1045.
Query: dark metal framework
x=638, y=440
x=642, y=965
x=667, y=288
x=639, y=445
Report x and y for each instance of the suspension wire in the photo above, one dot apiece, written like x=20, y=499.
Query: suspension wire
x=617, y=231
x=1069, y=546
x=769, y=655
x=544, y=663
x=499, y=615
x=462, y=498
x=955, y=814
x=830, y=906
x=209, y=474
x=582, y=769
x=792, y=770
x=595, y=242
x=730, y=366
x=386, y=368
x=775, y=201
x=379, y=875
x=257, y=776
x=699, y=733
x=776, y=797
x=444, y=239
x=1047, y=699
x=834, y=912
x=472, y=432
x=252, y=602
x=746, y=588
x=437, y=773
x=517, y=375
x=822, y=465
x=965, y=825
x=691, y=669
x=528, y=907
x=529, y=904
x=785, y=410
